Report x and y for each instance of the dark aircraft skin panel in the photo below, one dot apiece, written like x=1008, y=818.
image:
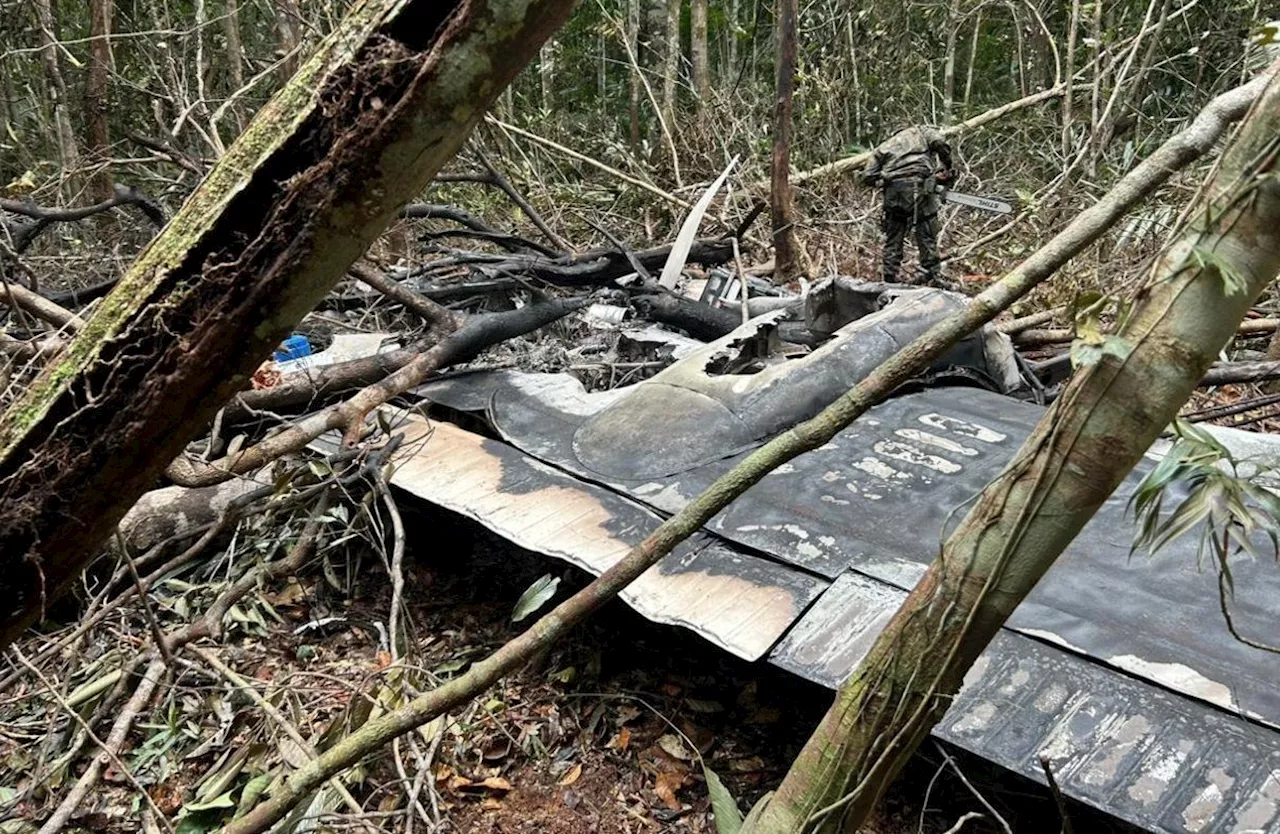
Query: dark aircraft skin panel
x=1117, y=667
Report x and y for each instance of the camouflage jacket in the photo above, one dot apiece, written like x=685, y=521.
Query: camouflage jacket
x=911, y=154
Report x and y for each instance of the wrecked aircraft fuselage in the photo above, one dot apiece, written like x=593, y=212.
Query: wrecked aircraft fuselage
x=1118, y=669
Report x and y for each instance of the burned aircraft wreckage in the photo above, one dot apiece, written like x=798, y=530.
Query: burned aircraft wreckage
x=1118, y=669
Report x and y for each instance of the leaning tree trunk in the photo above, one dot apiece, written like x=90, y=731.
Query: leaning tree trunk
x=786, y=245
x=326, y=165
x=1081, y=450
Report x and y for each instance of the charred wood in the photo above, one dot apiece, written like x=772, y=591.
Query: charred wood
x=474, y=334
x=24, y=233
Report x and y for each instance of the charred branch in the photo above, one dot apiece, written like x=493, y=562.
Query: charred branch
x=474, y=335
x=24, y=233
x=593, y=268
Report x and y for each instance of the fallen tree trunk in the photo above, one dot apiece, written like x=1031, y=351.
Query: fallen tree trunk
x=16, y=295
x=1225, y=373
x=593, y=268
x=475, y=334
x=312, y=181
x=1059, y=336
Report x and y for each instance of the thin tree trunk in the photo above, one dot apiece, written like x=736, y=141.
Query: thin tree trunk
x=949, y=62
x=973, y=57
x=1123, y=86
x=654, y=43
x=289, y=36
x=632, y=35
x=1080, y=451
x=733, y=39
x=698, y=51
x=308, y=186
x=235, y=53
x=97, y=136
x=1073, y=27
x=67, y=152
x=1095, y=109
x=1020, y=62
x=547, y=75
x=856, y=93
x=671, y=63
x=786, y=245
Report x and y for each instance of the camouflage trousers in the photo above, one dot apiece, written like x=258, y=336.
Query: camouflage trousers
x=911, y=204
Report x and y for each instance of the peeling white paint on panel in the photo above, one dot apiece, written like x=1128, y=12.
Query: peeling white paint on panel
x=978, y=718
x=1178, y=677
x=910, y=454
x=1201, y=811
x=1051, y=699
x=931, y=439
x=1120, y=741
x=962, y=427
x=1262, y=808
x=1050, y=637
x=881, y=470
x=975, y=673
x=1158, y=776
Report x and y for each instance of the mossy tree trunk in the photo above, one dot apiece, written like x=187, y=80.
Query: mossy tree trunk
x=1083, y=447
x=360, y=130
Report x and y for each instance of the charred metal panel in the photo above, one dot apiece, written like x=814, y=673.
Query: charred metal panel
x=834, y=635
x=738, y=601
x=879, y=497
x=1123, y=675
x=1148, y=756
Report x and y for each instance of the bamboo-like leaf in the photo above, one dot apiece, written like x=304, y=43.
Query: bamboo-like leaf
x=535, y=596
x=728, y=817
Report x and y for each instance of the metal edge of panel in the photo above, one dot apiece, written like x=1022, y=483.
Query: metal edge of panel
x=739, y=601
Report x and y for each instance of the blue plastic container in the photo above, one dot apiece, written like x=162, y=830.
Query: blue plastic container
x=294, y=347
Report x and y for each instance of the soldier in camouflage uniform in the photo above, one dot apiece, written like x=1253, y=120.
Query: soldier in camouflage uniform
x=909, y=165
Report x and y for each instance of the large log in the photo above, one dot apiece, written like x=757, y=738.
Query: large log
x=384, y=102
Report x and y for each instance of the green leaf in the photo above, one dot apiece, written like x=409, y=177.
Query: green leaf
x=222, y=800
x=1084, y=355
x=728, y=817
x=535, y=596
x=255, y=788
x=1233, y=283
x=199, y=823
x=450, y=666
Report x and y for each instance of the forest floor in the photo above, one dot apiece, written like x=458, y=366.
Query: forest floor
x=601, y=735
x=625, y=707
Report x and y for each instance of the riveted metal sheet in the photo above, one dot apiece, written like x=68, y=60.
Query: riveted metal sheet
x=836, y=633
x=1150, y=757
